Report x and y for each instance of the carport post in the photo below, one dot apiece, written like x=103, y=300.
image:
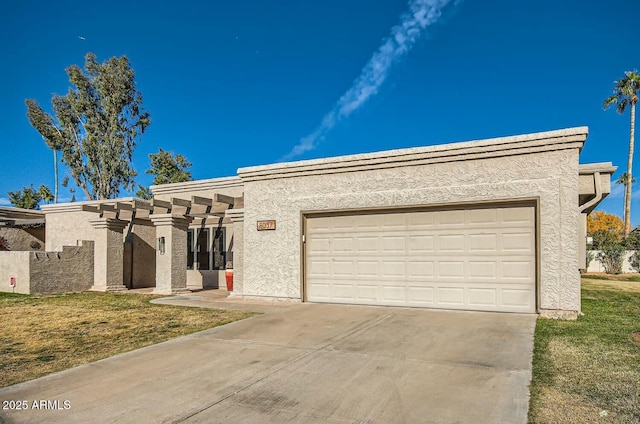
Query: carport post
x=108, y=253
x=171, y=253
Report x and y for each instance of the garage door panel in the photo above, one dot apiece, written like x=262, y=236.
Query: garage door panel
x=367, y=244
x=482, y=243
x=367, y=294
x=521, y=270
x=421, y=269
x=483, y=270
x=482, y=297
x=478, y=259
x=523, y=215
x=518, y=298
x=483, y=216
x=522, y=242
x=450, y=296
x=453, y=243
x=393, y=293
x=393, y=244
x=454, y=217
x=368, y=268
x=450, y=269
x=420, y=296
x=421, y=243
x=392, y=269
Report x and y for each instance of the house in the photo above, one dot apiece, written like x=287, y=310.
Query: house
x=490, y=225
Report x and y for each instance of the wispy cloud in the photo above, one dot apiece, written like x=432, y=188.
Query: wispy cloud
x=421, y=14
x=617, y=191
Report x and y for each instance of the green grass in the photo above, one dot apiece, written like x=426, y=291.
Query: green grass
x=616, y=277
x=588, y=371
x=45, y=334
x=595, y=277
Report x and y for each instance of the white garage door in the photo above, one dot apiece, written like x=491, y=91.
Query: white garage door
x=473, y=259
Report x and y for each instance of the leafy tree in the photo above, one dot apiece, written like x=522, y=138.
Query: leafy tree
x=96, y=125
x=625, y=93
x=602, y=221
x=632, y=242
x=50, y=134
x=144, y=192
x=167, y=167
x=602, y=238
x=28, y=198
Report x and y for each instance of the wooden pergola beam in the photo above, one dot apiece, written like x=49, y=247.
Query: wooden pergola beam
x=204, y=201
x=221, y=198
x=90, y=208
x=141, y=204
x=160, y=206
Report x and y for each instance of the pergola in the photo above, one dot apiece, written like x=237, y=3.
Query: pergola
x=171, y=220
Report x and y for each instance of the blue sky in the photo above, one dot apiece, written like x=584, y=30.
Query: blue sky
x=232, y=84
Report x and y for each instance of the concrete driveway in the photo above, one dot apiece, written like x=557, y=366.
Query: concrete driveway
x=307, y=363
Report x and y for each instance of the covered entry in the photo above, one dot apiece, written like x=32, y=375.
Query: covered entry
x=472, y=257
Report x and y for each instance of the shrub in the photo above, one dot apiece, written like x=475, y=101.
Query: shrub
x=590, y=257
x=632, y=242
x=634, y=260
x=611, y=256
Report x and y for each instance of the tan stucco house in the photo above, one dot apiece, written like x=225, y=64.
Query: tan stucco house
x=490, y=225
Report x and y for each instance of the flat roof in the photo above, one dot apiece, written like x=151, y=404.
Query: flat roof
x=569, y=138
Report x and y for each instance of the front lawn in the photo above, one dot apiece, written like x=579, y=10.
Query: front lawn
x=45, y=334
x=588, y=371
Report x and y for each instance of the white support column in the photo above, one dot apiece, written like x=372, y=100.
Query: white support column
x=237, y=218
x=171, y=265
x=108, y=254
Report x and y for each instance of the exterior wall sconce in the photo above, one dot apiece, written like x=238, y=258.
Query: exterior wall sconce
x=161, y=245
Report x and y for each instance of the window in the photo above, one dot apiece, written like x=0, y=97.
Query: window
x=203, y=248
x=219, y=254
x=205, y=253
x=189, y=249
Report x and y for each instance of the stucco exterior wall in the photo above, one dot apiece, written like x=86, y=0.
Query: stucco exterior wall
x=16, y=265
x=272, y=259
x=67, y=228
x=140, y=256
x=21, y=238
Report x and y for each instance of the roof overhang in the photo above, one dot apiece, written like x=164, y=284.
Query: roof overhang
x=18, y=217
x=565, y=139
x=594, y=184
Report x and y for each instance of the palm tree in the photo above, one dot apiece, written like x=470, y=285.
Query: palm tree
x=623, y=180
x=625, y=93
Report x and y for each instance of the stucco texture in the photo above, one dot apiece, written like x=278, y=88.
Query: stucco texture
x=24, y=238
x=272, y=259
